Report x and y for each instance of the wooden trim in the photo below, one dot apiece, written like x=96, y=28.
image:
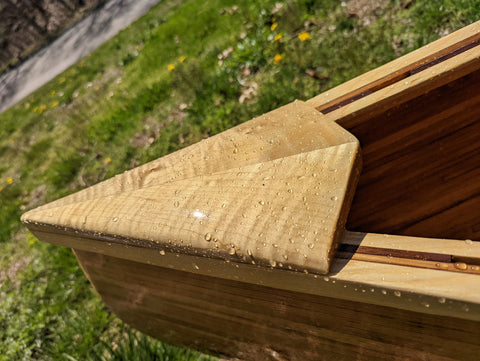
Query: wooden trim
x=402, y=91
x=397, y=69
x=421, y=290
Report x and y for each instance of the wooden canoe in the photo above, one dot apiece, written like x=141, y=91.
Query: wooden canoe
x=238, y=246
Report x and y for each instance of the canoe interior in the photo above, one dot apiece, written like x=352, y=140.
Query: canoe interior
x=421, y=174
x=253, y=322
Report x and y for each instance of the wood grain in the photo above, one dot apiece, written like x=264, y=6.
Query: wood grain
x=260, y=323
x=433, y=291
x=282, y=210
x=420, y=152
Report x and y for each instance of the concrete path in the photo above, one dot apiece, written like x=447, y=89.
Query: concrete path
x=73, y=45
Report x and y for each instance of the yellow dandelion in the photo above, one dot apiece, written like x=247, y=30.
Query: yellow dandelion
x=304, y=36
x=40, y=109
x=54, y=104
x=27, y=106
x=9, y=180
x=52, y=92
x=273, y=26
x=277, y=37
x=181, y=59
x=277, y=58
x=170, y=67
x=108, y=160
x=97, y=88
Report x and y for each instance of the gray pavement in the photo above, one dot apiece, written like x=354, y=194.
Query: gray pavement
x=66, y=50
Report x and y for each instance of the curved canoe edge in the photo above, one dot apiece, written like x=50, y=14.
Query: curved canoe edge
x=421, y=290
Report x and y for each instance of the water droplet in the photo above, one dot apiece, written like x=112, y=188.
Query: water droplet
x=244, y=215
x=261, y=203
x=175, y=204
x=461, y=265
x=311, y=245
x=397, y=293
x=235, y=151
x=314, y=175
x=326, y=279
x=162, y=252
x=115, y=219
x=208, y=237
x=196, y=267
x=224, y=205
x=334, y=198
x=384, y=292
x=284, y=208
x=273, y=263
x=291, y=240
x=442, y=300
x=468, y=241
x=275, y=245
x=290, y=191
x=232, y=251
x=285, y=257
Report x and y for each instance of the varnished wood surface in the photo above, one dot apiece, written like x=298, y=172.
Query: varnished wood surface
x=432, y=291
x=284, y=205
x=260, y=323
x=421, y=154
x=421, y=173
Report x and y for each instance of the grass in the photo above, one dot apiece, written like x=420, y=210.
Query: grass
x=183, y=72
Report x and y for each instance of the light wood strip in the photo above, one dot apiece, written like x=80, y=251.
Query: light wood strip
x=415, y=85
x=460, y=249
x=397, y=69
x=421, y=290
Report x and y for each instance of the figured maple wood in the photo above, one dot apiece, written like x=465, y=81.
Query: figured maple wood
x=292, y=129
x=283, y=209
x=254, y=322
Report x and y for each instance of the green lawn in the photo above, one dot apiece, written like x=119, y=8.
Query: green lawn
x=183, y=72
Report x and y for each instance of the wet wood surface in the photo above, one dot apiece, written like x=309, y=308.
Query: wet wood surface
x=260, y=323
